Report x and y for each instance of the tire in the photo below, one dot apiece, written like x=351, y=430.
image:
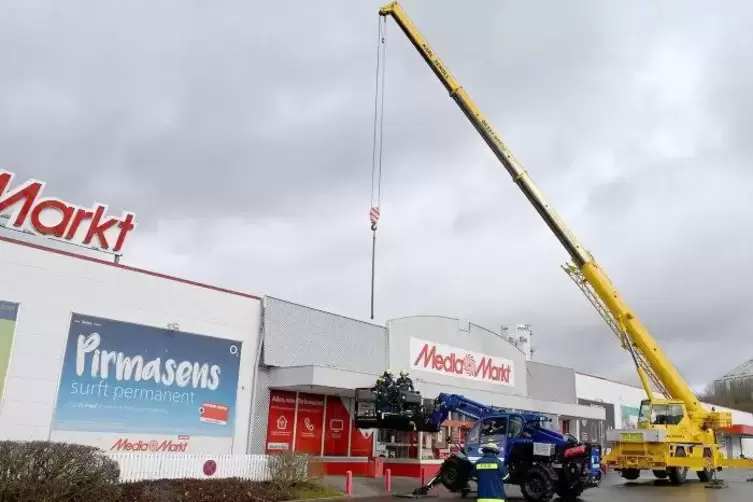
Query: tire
x=678, y=475
x=572, y=494
x=454, y=473
x=661, y=474
x=631, y=474
x=537, y=485
x=704, y=476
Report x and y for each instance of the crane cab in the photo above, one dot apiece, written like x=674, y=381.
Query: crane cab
x=661, y=413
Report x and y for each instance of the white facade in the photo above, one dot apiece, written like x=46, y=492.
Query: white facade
x=305, y=350
x=50, y=286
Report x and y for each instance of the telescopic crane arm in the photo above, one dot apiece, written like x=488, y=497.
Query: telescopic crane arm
x=640, y=343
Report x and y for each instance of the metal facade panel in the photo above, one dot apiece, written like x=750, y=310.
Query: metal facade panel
x=295, y=335
x=260, y=413
x=548, y=382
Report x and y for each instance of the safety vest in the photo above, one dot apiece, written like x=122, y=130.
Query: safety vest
x=490, y=473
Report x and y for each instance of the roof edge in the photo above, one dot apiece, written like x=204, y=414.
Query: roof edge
x=159, y=275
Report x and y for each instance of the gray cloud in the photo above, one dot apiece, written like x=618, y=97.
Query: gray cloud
x=241, y=136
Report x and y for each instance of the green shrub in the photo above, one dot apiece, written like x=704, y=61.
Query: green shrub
x=44, y=471
x=203, y=490
x=288, y=469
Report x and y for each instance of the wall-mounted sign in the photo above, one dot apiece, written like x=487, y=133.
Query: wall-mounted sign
x=54, y=218
x=455, y=362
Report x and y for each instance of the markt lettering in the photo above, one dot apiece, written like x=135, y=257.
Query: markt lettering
x=486, y=369
x=28, y=206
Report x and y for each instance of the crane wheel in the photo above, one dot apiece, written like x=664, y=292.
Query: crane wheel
x=704, y=476
x=678, y=475
x=538, y=484
x=631, y=474
x=661, y=474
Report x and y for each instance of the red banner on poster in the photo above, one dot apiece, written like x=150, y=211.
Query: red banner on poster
x=309, y=421
x=337, y=428
x=281, y=420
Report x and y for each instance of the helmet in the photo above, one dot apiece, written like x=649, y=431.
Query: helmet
x=490, y=448
x=389, y=372
x=403, y=373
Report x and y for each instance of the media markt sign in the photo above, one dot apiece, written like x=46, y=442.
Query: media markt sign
x=460, y=363
x=27, y=210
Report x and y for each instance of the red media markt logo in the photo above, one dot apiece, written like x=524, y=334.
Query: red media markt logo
x=487, y=368
x=469, y=365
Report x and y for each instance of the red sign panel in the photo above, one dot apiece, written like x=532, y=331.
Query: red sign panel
x=309, y=421
x=52, y=217
x=361, y=441
x=337, y=428
x=281, y=420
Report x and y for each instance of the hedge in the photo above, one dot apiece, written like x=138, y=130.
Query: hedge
x=43, y=471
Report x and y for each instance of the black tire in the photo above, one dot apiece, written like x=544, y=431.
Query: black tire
x=704, y=476
x=572, y=494
x=537, y=485
x=661, y=474
x=631, y=474
x=678, y=475
x=453, y=474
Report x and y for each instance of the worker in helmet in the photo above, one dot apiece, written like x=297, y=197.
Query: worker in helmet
x=404, y=382
x=490, y=474
x=389, y=378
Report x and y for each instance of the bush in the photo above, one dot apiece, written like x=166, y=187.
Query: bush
x=288, y=469
x=44, y=471
x=203, y=490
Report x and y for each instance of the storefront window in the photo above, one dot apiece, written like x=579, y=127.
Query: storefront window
x=316, y=425
x=397, y=444
x=309, y=424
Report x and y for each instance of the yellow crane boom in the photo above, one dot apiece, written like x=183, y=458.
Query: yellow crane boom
x=583, y=260
x=684, y=436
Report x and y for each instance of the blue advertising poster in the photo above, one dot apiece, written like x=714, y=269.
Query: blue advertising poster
x=125, y=385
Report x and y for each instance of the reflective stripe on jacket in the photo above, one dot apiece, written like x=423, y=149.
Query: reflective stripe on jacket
x=490, y=473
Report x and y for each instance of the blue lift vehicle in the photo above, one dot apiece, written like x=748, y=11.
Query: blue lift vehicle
x=543, y=462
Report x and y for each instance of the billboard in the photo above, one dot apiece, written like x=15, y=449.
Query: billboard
x=8, y=318
x=134, y=388
x=629, y=416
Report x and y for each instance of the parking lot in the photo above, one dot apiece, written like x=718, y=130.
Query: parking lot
x=612, y=489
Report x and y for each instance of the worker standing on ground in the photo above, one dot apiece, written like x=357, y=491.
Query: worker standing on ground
x=490, y=474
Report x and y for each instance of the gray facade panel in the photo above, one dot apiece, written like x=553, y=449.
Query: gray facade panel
x=547, y=382
x=260, y=413
x=295, y=335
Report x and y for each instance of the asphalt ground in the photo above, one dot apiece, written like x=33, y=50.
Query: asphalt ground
x=612, y=489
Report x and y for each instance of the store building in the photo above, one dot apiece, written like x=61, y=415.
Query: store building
x=321, y=358
x=130, y=360
x=99, y=353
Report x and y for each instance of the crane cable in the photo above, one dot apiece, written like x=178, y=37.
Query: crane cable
x=377, y=147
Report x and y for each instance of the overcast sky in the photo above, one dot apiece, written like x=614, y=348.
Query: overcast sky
x=240, y=133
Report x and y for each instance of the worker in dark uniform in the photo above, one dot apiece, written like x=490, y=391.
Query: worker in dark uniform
x=490, y=474
x=384, y=388
x=405, y=382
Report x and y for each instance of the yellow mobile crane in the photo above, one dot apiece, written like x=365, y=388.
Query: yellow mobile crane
x=675, y=432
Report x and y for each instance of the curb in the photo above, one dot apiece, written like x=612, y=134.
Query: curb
x=343, y=496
